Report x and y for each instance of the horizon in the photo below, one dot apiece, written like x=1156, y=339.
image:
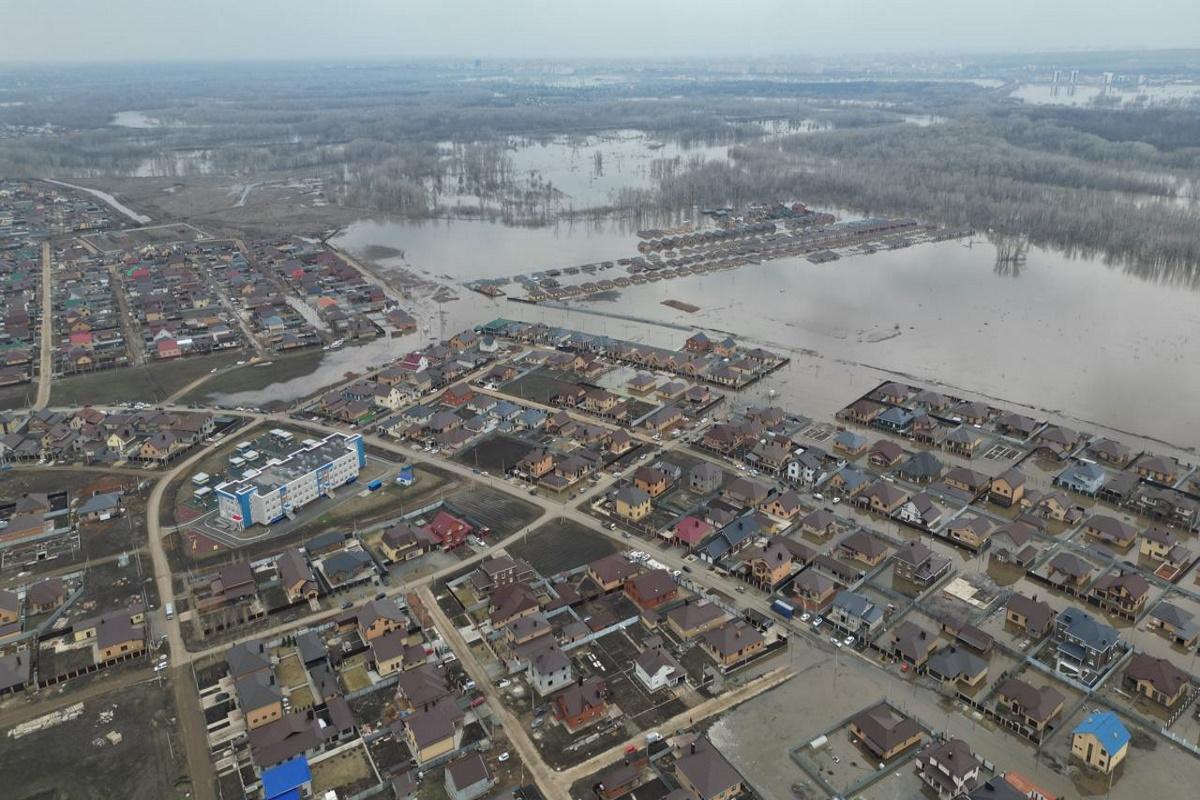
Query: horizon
x=137, y=31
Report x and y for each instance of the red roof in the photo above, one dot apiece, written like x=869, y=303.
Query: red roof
x=692, y=530
x=446, y=525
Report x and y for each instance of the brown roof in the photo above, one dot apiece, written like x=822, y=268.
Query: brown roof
x=1164, y=676
x=884, y=727
x=1037, y=612
x=1040, y=704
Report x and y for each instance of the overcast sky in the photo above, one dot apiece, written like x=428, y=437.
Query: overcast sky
x=135, y=30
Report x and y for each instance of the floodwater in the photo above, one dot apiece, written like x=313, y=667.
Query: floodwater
x=133, y=119
x=1071, y=336
x=1067, y=335
x=141, y=219
x=471, y=249
x=331, y=370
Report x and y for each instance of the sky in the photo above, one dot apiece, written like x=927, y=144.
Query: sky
x=219, y=30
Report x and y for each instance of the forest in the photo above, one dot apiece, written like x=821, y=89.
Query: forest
x=423, y=140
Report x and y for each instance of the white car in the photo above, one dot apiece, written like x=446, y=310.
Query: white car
x=503, y=757
x=805, y=617
x=504, y=684
x=849, y=640
x=837, y=500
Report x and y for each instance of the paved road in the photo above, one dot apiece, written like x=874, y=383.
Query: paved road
x=46, y=365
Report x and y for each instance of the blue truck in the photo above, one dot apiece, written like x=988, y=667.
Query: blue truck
x=783, y=609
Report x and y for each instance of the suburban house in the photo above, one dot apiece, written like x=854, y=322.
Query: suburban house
x=917, y=564
x=1013, y=543
x=862, y=546
x=732, y=642
x=611, y=572
x=855, y=613
x=1176, y=624
x=1111, y=531
x=919, y=511
x=884, y=732
x=692, y=619
x=705, y=478
x=882, y=497
x=1084, y=643
x=971, y=530
x=656, y=668
x=632, y=503
x=922, y=467
x=912, y=644
x=581, y=703
x=1069, y=571
x=1157, y=679
x=1122, y=593
x=812, y=590
x=950, y=769
x=1029, y=614
x=1027, y=709
x=467, y=778
x=957, y=665
x=549, y=670
x=651, y=589
x=705, y=774
x=1007, y=488
x=819, y=523
x=1100, y=741
x=433, y=730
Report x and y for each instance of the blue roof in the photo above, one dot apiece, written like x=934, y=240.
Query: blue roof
x=1107, y=728
x=282, y=781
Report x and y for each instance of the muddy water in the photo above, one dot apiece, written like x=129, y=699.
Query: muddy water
x=1068, y=335
x=461, y=250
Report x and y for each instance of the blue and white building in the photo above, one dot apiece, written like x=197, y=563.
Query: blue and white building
x=285, y=485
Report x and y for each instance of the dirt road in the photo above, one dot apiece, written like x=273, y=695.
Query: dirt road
x=550, y=782
x=46, y=363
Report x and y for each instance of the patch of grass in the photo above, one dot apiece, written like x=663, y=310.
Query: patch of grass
x=148, y=383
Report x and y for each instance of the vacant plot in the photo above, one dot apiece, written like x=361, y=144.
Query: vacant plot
x=497, y=510
x=250, y=379
x=539, y=385
x=560, y=545
x=347, y=772
x=75, y=759
x=495, y=454
x=150, y=383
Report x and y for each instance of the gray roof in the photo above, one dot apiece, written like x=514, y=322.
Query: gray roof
x=247, y=657
x=1083, y=626
x=14, y=670
x=256, y=691
x=956, y=662
x=922, y=465
x=856, y=605
x=98, y=503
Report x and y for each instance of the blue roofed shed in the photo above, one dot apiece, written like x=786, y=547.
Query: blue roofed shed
x=284, y=781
